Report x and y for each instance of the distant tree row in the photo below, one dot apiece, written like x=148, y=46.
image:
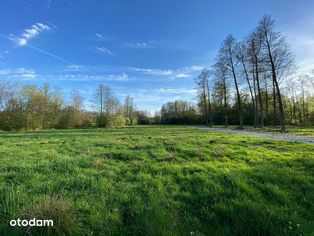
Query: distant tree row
x=31, y=107
x=179, y=112
x=298, y=99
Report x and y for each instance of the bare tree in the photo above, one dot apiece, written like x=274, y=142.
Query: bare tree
x=203, y=87
x=109, y=107
x=220, y=75
x=242, y=55
x=227, y=55
x=102, y=94
x=279, y=58
x=303, y=79
x=129, y=108
x=254, y=47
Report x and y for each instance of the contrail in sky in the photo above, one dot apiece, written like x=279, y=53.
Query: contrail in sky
x=42, y=51
x=51, y=55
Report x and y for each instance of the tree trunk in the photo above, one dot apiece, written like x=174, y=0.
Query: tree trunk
x=101, y=108
x=209, y=107
x=250, y=88
x=205, y=106
x=274, y=105
x=303, y=105
x=280, y=103
x=238, y=94
x=259, y=93
x=266, y=95
x=225, y=102
x=255, y=103
x=274, y=75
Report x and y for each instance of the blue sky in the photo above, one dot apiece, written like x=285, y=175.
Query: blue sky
x=149, y=49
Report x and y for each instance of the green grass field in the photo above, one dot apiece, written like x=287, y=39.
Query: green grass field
x=155, y=181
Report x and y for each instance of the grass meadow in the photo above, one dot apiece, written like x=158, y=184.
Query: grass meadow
x=153, y=180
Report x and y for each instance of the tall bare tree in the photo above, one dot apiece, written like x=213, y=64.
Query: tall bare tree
x=221, y=86
x=254, y=47
x=242, y=55
x=203, y=87
x=227, y=55
x=279, y=58
x=128, y=109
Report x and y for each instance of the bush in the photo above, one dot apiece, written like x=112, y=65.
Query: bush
x=111, y=121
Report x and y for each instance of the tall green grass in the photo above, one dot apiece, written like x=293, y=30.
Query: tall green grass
x=155, y=181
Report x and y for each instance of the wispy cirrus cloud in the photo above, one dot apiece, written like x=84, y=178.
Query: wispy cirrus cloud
x=18, y=73
x=87, y=69
x=301, y=39
x=159, y=44
x=147, y=44
x=87, y=77
x=100, y=37
x=182, y=75
x=177, y=90
x=30, y=33
x=101, y=50
x=4, y=53
x=185, y=72
x=139, y=45
x=149, y=71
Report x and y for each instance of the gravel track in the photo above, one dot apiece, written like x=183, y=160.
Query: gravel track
x=289, y=138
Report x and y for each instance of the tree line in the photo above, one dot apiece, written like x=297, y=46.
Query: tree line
x=31, y=107
x=251, y=83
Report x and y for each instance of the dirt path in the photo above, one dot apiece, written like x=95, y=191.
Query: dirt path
x=289, y=138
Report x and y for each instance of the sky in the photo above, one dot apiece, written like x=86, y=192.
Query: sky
x=148, y=49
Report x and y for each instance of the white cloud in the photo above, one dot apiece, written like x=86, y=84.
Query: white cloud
x=172, y=74
x=4, y=53
x=87, y=77
x=139, y=45
x=148, y=71
x=98, y=35
x=31, y=33
x=304, y=47
x=182, y=75
x=120, y=77
x=177, y=90
x=103, y=50
x=94, y=69
x=160, y=44
x=147, y=45
x=73, y=68
x=100, y=50
x=194, y=68
x=4, y=72
x=300, y=36
x=29, y=75
x=19, y=73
